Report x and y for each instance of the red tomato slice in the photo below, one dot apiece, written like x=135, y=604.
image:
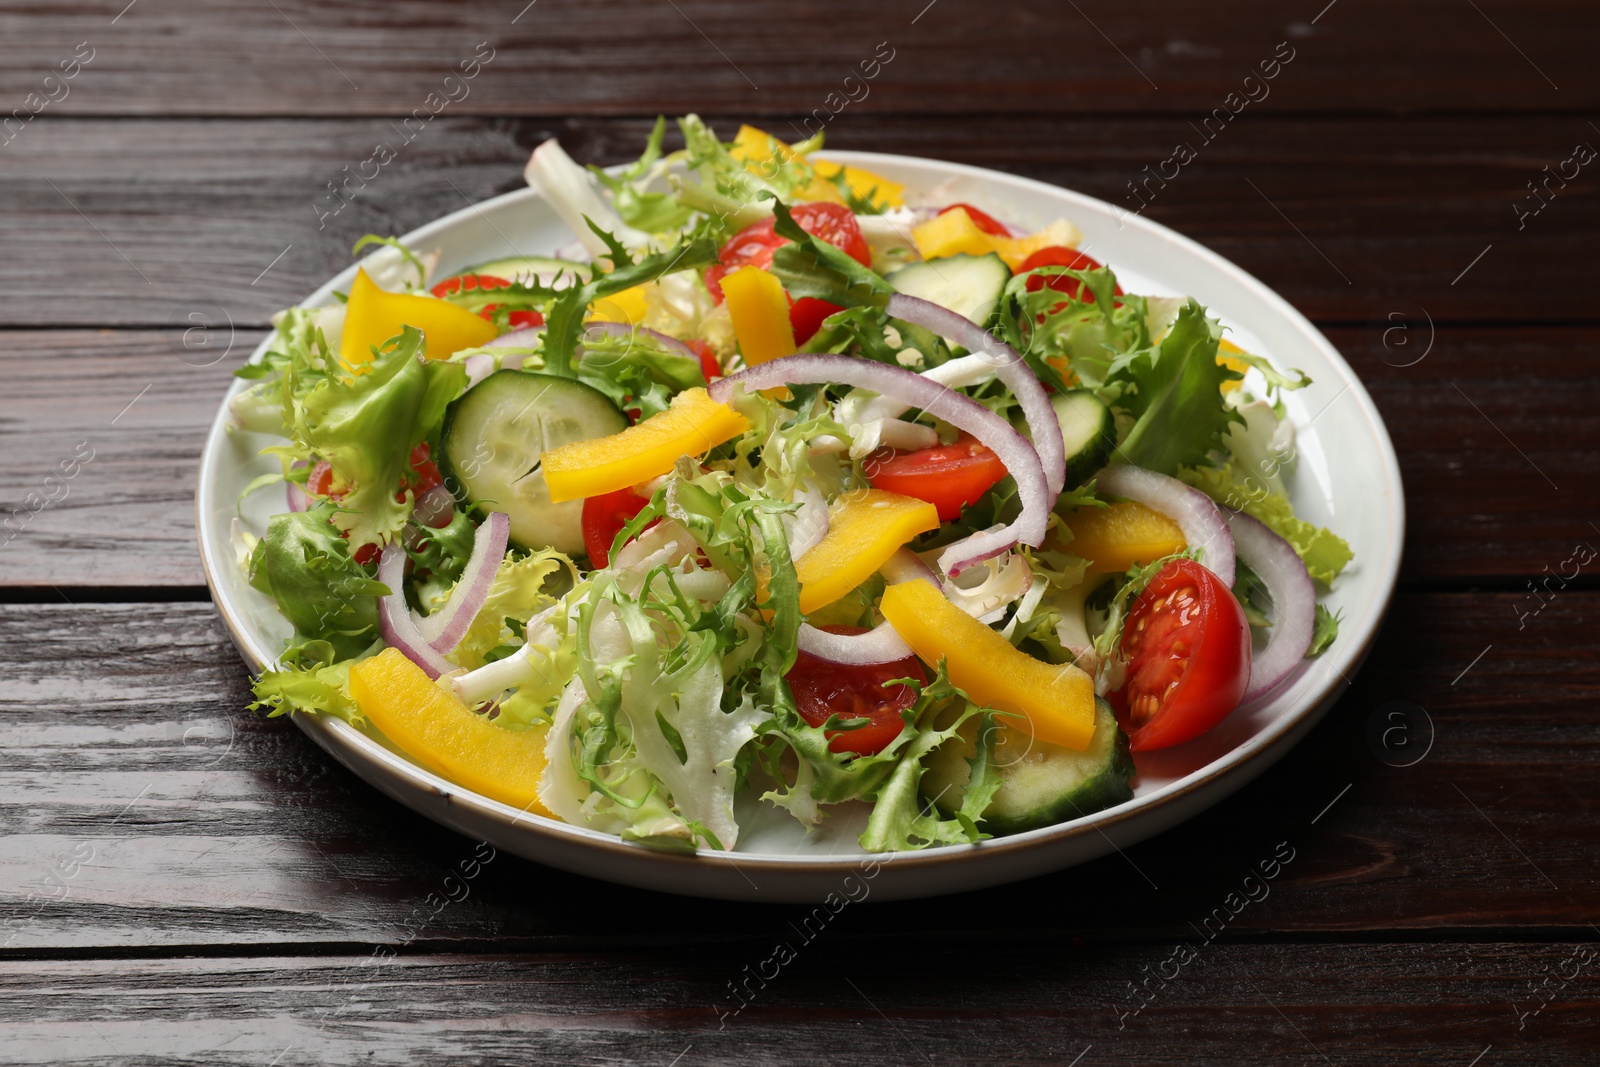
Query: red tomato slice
x=710, y=366
x=822, y=688
x=754, y=245
x=604, y=517
x=1057, y=256
x=806, y=315
x=982, y=220
x=950, y=477
x=1188, y=649
x=466, y=283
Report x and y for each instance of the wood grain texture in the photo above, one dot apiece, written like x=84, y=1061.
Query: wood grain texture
x=614, y=57
x=1350, y=219
x=1037, y=1002
x=146, y=809
x=1480, y=423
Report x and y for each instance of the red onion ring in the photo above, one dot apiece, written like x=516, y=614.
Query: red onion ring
x=394, y=617
x=961, y=411
x=1294, y=603
x=1009, y=367
x=444, y=629
x=906, y=566
x=1194, y=512
x=881, y=644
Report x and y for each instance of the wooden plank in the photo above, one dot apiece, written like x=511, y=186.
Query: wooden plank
x=1348, y=218
x=145, y=809
x=1479, y=502
x=1008, y=999
x=615, y=57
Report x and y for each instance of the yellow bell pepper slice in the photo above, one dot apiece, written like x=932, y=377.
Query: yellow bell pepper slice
x=1056, y=700
x=1226, y=346
x=754, y=147
x=865, y=528
x=374, y=315
x=954, y=233
x=628, y=306
x=760, y=312
x=445, y=736
x=691, y=426
x=1121, y=536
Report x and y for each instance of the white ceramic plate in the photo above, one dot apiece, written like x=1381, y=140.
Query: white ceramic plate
x=1347, y=479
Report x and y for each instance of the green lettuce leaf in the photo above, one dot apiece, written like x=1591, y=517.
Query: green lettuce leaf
x=901, y=820
x=312, y=690
x=652, y=212
x=565, y=318
x=1173, y=391
x=326, y=595
x=365, y=426
x=1324, y=631
x=1325, y=553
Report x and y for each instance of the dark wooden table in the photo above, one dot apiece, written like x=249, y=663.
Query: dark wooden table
x=181, y=881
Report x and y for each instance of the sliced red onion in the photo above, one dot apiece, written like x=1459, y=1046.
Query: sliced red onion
x=881, y=644
x=445, y=628
x=1294, y=602
x=522, y=337
x=1009, y=367
x=961, y=411
x=810, y=523
x=906, y=566
x=482, y=364
x=394, y=617
x=1194, y=512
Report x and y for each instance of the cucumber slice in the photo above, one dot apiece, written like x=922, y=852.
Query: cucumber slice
x=515, y=268
x=1087, y=430
x=969, y=285
x=490, y=447
x=1047, y=785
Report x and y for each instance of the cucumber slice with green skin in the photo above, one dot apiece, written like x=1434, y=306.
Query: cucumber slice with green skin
x=490, y=445
x=968, y=285
x=1046, y=784
x=514, y=268
x=1087, y=430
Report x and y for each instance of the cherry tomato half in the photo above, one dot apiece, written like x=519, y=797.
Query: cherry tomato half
x=822, y=688
x=1188, y=649
x=1057, y=256
x=466, y=283
x=754, y=245
x=981, y=219
x=950, y=477
x=604, y=517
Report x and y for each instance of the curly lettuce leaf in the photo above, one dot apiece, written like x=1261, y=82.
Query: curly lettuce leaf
x=1325, y=553
x=312, y=690
x=652, y=212
x=1324, y=632
x=635, y=370
x=365, y=425
x=565, y=318
x=901, y=820
x=1173, y=391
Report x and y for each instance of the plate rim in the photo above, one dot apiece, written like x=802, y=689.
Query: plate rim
x=1228, y=772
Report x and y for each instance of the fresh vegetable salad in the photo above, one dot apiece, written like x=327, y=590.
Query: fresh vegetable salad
x=781, y=485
